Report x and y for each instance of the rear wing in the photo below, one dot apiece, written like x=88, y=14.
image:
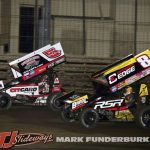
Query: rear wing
x=124, y=72
x=37, y=62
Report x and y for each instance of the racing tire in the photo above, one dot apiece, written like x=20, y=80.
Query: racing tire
x=5, y=101
x=143, y=117
x=53, y=102
x=89, y=118
x=67, y=116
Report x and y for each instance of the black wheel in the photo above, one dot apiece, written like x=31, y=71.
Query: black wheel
x=5, y=101
x=67, y=116
x=89, y=117
x=53, y=101
x=143, y=118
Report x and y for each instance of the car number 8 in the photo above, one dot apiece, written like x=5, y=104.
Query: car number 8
x=144, y=60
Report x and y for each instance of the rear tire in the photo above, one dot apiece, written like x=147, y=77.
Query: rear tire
x=89, y=118
x=53, y=102
x=143, y=117
x=5, y=101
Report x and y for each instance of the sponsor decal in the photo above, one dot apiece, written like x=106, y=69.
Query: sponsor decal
x=29, y=74
x=145, y=72
x=51, y=65
x=52, y=53
x=131, y=80
x=32, y=72
x=122, y=84
x=56, y=88
x=108, y=104
x=113, y=78
x=14, y=138
x=31, y=62
x=80, y=102
x=56, y=81
x=114, y=88
x=26, y=90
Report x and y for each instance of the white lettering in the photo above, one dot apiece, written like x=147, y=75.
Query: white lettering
x=108, y=104
x=79, y=103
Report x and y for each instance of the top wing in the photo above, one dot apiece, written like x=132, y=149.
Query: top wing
x=124, y=72
x=37, y=62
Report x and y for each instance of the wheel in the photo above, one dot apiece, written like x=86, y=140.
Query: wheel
x=67, y=116
x=89, y=117
x=53, y=101
x=143, y=118
x=5, y=101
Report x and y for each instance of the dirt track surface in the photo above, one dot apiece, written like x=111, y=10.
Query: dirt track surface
x=29, y=119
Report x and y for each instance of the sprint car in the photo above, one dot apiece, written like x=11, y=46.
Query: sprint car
x=121, y=94
x=35, y=81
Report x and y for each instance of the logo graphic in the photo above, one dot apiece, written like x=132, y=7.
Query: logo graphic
x=108, y=104
x=113, y=78
x=25, y=90
x=52, y=53
x=10, y=139
x=79, y=102
x=31, y=62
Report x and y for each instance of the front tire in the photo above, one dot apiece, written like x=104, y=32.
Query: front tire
x=53, y=102
x=89, y=118
x=67, y=116
x=143, y=118
x=5, y=101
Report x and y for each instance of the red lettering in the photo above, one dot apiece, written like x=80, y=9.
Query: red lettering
x=15, y=90
x=112, y=78
x=52, y=53
x=4, y=135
